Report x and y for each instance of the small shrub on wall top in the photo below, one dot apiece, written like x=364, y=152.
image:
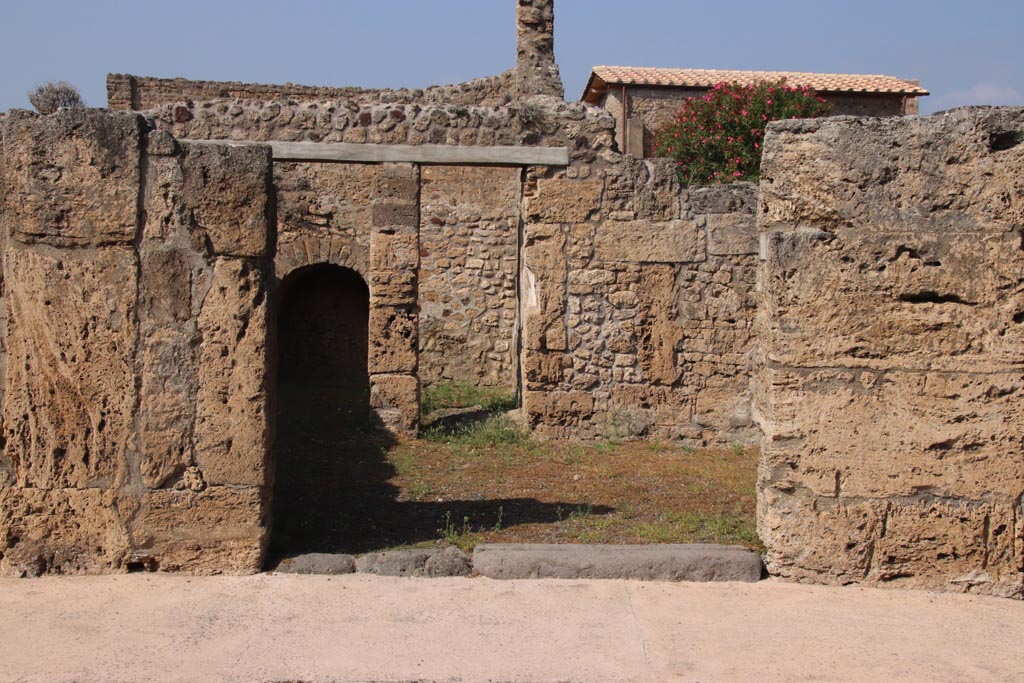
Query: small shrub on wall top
x=717, y=138
x=54, y=95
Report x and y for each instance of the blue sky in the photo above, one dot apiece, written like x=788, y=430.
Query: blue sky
x=963, y=52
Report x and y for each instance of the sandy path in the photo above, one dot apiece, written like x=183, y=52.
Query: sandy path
x=362, y=628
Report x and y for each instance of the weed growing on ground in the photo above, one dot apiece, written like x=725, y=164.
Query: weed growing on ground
x=497, y=430
x=445, y=395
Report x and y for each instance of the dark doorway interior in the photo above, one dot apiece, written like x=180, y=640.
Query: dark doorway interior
x=329, y=475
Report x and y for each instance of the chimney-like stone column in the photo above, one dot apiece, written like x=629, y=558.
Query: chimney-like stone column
x=536, y=71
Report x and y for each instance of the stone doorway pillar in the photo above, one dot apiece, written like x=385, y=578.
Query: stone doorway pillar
x=394, y=315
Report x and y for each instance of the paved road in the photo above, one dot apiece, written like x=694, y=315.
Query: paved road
x=158, y=628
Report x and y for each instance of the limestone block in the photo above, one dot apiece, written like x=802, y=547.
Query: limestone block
x=395, y=402
x=70, y=385
x=564, y=201
x=72, y=177
x=62, y=531
x=231, y=402
x=641, y=241
x=922, y=299
x=867, y=434
x=227, y=190
x=731, y=234
x=216, y=531
x=394, y=339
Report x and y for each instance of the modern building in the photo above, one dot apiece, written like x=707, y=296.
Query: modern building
x=652, y=96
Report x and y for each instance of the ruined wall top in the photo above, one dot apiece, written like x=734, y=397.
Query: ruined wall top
x=536, y=71
x=139, y=93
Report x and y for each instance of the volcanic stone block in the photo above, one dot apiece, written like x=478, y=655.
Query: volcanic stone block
x=565, y=201
x=317, y=563
x=398, y=181
x=875, y=435
x=393, y=340
x=167, y=407
x=231, y=404
x=395, y=402
x=641, y=241
x=389, y=212
x=72, y=177
x=668, y=562
x=914, y=299
x=731, y=234
x=227, y=190
x=70, y=384
x=942, y=173
x=62, y=531
x=218, y=530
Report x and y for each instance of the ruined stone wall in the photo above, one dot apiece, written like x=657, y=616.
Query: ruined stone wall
x=135, y=409
x=637, y=305
x=889, y=383
x=535, y=73
x=127, y=92
x=469, y=228
x=469, y=263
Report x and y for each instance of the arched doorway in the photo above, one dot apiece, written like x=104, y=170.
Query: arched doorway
x=322, y=401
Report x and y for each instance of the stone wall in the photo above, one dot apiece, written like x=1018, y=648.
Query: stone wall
x=135, y=410
x=637, y=306
x=535, y=73
x=127, y=92
x=889, y=383
x=469, y=265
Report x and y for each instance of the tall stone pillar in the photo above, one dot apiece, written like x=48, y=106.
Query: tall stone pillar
x=394, y=318
x=536, y=70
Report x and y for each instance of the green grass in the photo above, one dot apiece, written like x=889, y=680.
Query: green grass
x=445, y=395
x=497, y=430
x=695, y=527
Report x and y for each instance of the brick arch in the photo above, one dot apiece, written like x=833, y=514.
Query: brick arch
x=296, y=251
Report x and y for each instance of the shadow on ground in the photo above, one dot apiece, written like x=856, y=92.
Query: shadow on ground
x=332, y=491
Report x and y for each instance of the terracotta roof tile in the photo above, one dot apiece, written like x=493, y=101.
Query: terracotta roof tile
x=706, y=78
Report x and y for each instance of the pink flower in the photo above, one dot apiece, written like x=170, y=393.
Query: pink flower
x=737, y=174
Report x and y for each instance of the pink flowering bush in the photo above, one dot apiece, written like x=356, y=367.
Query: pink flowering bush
x=717, y=138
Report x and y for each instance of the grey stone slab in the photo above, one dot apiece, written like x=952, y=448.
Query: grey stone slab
x=425, y=563
x=317, y=563
x=676, y=562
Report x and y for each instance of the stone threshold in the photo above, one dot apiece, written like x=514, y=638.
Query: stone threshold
x=661, y=562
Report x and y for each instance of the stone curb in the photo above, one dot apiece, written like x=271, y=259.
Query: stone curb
x=675, y=562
